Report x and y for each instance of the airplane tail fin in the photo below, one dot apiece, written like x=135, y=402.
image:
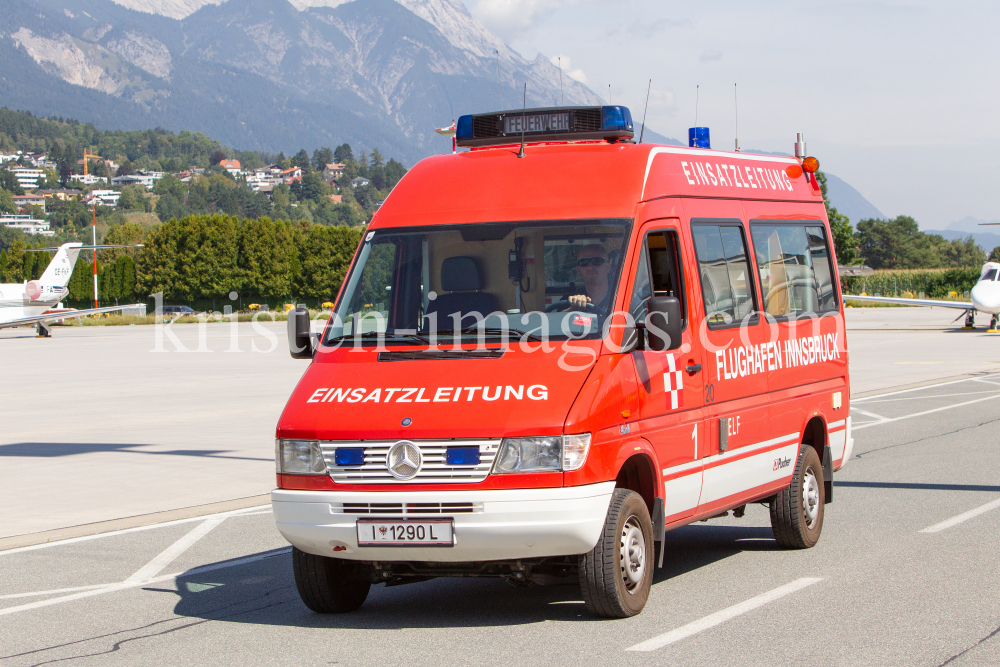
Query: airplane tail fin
x=59, y=270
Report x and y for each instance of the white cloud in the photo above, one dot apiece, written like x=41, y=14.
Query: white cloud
x=512, y=18
x=709, y=56
x=565, y=63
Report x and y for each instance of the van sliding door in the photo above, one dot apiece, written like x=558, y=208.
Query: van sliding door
x=739, y=358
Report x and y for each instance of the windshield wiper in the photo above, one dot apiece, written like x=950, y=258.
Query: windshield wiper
x=386, y=335
x=493, y=331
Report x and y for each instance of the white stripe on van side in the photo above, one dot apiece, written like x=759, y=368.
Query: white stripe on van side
x=730, y=454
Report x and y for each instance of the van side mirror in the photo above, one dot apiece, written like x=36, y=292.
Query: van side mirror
x=299, y=334
x=663, y=323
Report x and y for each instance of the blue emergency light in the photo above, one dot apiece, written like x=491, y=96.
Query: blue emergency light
x=462, y=456
x=349, y=456
x=698, y=137
x=609, y=123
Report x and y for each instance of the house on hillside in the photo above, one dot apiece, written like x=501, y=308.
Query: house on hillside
x=333, y=171
x=289, y=176
x=62, y=194
x=89, y=179
x=103, y=198
x=232, y=166
x=26, y=224
x=336, y=199
x=359, y=182
x=27, y=177
x=24, y=201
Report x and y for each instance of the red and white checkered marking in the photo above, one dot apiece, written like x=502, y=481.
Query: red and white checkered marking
x=673, y=381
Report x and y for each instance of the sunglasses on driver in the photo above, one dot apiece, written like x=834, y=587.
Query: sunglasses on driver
x=591, y=261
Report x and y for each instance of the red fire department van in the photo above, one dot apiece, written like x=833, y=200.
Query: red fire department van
x=555, y=346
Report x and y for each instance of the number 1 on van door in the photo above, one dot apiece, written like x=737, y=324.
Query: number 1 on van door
x=694, y=436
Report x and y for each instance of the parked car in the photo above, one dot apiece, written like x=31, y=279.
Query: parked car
x=174, y=311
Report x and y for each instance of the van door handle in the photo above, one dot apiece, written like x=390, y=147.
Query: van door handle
x=693, y=368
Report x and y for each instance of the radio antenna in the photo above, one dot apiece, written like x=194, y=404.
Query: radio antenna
x=643, y=130
x=562, y=96
x=736, y=102
x=499, y=82
x=523, y=109
x=609, y=94
x=697, y=90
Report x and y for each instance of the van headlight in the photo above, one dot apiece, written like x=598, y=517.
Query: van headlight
x=299, y=457
x=551, y=453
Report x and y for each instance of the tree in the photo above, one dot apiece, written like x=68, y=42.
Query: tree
x=216, y=158
x=267, y=259
x=322, y=157
x=301, y=159
x=125, y=169
x=343, y=153
x=395, y=171
x=844, y=239
x=994, y=255
x=897, y=244
x=325, y=254
x=9, y=182
x=7, y=204
x=65, y=172
x=962, y=253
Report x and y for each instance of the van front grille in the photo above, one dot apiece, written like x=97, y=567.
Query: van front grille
x=434, y=468
x=406, y=509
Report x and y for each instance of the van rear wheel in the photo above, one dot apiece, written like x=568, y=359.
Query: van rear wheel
x=328, y=585
x=616, y=575
x=797, y=511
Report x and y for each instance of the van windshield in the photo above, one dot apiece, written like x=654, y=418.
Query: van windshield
x=547, y=280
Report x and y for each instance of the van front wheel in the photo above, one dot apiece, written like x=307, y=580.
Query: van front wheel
x=797, y=511
x=616, y=575
x=328, y=585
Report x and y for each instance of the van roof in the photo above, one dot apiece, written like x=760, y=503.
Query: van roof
x=583, y=180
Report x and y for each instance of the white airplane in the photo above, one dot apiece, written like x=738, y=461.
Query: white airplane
x=32, y=301
x=983, y=298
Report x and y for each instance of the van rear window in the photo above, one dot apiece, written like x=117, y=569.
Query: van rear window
x=794, y=262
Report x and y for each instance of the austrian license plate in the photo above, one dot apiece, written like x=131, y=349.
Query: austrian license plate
x=391, y=533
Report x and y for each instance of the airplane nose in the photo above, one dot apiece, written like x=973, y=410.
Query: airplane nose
x=986, y=297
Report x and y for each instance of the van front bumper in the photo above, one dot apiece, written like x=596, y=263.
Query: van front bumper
x=504, y=524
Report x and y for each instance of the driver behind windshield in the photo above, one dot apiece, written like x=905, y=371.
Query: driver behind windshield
x=593, y=266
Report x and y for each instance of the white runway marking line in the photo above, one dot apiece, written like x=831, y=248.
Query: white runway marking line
x=246, y=511
x=925, y=412
x=721, y=617
x=964, y=516
x=111, y=588
x=930, y=386
x=171, y=553
x=869, y=414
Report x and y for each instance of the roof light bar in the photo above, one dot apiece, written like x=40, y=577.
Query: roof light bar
x=610, y=123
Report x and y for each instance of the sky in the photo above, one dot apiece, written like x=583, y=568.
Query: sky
x=899, y=99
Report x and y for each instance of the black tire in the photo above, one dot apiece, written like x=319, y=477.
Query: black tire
x=328, y=585
x=797, y=512
x=616, y=575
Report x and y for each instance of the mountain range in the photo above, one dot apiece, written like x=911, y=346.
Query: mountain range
x=271, y=74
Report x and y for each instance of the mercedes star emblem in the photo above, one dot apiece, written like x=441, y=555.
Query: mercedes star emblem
x=404, y=460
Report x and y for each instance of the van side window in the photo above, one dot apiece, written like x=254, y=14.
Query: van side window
x=726, y=284
x=658, y=274
x=796, y=272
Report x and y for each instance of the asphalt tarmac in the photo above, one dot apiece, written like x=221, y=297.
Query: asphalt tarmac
x=906, y=573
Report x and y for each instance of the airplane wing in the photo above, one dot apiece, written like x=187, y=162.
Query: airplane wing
x=963, y=305
x=58, y=317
